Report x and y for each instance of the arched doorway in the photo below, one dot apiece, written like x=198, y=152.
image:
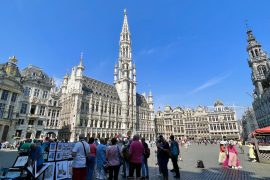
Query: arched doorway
x=5, y=133
x=51, y=135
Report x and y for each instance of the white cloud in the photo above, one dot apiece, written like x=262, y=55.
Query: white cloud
x=210, y=82
x=148, y=51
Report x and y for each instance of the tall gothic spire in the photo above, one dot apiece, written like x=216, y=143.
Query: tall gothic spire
x=125, y=41
x=252, y=42
x=124, y=68
x=125, y=23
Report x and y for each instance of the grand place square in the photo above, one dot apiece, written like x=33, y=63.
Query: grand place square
x=118, y=91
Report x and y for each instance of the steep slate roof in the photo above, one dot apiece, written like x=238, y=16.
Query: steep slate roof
x=94, y=86
x=141, y=101
x=35, y=74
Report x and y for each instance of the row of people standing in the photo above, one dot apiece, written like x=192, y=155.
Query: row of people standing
x=109, y=157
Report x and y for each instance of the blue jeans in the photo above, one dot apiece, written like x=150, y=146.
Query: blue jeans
x=91, y=168
x=125, y=168
x=145, y=166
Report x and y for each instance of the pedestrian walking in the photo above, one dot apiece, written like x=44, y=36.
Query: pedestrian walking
x=91, y=166
x=186, y=146
x=163, y=154
x=80, y=152
x=251, y=153
x=179, y=145
x=136, y=151
x=145, y=156
x=240, y=145
x=174, y=147
x=100, y=160
x=113, y=159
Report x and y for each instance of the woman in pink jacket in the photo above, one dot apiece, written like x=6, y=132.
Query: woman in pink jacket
x=232, y=153
x=136, y=151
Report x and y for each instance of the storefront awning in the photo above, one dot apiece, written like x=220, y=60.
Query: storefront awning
x=263, y=130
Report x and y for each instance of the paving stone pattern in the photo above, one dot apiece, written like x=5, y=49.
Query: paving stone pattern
x=212, y=171
x=208, y=154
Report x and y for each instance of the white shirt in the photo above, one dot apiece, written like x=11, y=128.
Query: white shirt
x=80, y=158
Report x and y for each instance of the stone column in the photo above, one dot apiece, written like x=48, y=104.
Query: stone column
x=259, y=88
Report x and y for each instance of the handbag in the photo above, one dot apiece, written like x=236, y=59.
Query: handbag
x=87, y=159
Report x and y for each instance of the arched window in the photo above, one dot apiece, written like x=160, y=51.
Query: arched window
x=127, y=51
x=261, y=70
x=252, y=54
x=256, y=52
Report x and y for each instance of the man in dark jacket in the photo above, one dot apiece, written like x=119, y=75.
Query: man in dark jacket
x=163, y=154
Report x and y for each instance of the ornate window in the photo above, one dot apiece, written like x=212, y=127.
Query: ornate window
x=256, y=52
x=261, y=70
x=4, y=95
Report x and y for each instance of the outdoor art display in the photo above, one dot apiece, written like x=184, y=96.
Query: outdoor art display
x=20, y=161
x=61, y=170
x=59, y=146
x=49, y=173
x=58, y=164
x=53, y=146
x=51, y=156
x=45, y=156
x=13, y=173
x=59, y=161
x=58, y=156
x=69, y=175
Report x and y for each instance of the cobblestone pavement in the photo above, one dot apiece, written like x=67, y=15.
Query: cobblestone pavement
x=208, y=154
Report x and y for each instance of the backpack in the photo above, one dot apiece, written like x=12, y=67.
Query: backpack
x=147, y=152
x=200, y=164
x=125, y=153
x=174, y=148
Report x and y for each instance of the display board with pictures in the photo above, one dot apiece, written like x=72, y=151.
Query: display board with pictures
x=13, y=173
x=59, y=161
x=21, y=161
x=49, y=173
x=59, y=151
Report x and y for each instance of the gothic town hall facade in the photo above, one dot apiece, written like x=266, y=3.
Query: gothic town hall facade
x=97, y=109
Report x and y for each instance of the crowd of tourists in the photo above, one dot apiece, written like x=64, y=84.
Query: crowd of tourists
x=96, y=160
x=103, y=160
x=128, y=157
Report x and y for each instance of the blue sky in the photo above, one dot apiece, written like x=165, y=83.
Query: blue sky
x=188, y=53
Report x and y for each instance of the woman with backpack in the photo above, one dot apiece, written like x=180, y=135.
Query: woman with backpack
x=113, y=159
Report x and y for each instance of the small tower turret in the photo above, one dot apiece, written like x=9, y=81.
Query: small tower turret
x=80, y=67
x=258, y=62
x=115, y=73
x=150, y=100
